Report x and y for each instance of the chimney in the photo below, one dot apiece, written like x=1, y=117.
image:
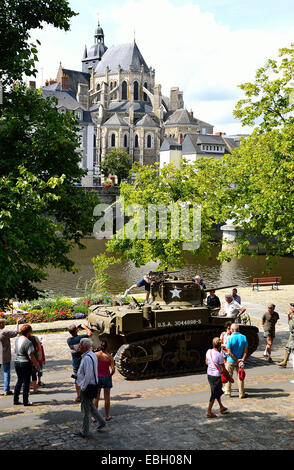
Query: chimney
x=191, y=113
x=180, y=139
x=32, y=85
x=220, y=133
x=65, y=82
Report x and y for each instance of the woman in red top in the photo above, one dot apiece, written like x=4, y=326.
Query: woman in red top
x=105, y=363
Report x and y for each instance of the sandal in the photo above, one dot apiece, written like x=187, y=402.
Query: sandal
x=223, y=410
x=211, y=415
x=108, y=419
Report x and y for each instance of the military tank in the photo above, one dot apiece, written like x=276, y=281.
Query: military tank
x=168, y=337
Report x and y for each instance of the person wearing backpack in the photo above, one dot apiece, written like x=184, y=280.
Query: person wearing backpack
x=215, y=362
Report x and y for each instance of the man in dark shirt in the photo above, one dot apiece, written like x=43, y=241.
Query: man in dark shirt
x=213, y=300
x=74, y=344
x=268, y=322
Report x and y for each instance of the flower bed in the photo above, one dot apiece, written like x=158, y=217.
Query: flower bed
x=45, y=310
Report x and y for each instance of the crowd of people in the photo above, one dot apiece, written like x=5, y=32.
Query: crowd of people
x=93, y=370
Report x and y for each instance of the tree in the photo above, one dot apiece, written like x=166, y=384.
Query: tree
x=42, y=213
x=267, y=99
x=169, y=187
x=17, y=18
x=117, y=162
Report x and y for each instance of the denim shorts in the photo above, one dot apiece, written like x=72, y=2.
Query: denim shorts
x=105, y=382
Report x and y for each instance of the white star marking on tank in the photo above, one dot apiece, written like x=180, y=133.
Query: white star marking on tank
x=175, y=293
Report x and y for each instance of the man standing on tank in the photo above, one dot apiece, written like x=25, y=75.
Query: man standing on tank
x=74, y=345
x=144, y=282
x=268, y=322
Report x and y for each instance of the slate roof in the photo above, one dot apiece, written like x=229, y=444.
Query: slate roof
x=146, y=121
x=183, y=117
x=192, y=143
x=123, y=55
x=116, y=120
x=76, y=77
x=170, y=144
x=66, y=99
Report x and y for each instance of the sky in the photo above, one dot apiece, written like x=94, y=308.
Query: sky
x=206, y=47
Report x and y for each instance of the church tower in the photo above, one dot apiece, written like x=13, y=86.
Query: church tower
x=91, y=58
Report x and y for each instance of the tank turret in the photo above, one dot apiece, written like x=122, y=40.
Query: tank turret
x=169, y=336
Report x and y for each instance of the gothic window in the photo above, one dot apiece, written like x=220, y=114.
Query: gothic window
x=136, y=91
x=124, y=91
x=112, y=140
x=136, y=141
x=125, y=140
x=149, y=141
x=145, y=96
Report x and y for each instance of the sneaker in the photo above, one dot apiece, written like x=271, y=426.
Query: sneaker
x=8, y=393
x=80, y=434
x=29, y=403
x=228, y=395
x=270, y=360
x=17, y=402
x=101, y=426
x=291, y=381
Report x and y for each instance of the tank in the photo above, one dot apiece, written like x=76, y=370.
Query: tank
x=170, y=336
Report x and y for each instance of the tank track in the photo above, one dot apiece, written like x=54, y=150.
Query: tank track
x=156, y=369
x=159, y=371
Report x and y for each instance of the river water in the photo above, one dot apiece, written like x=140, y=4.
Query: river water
x=214, y=273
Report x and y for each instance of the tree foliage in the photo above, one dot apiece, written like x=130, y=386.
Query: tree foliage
x=117, y=162
x=267, y=101
x=43, y=213
x=17, y=18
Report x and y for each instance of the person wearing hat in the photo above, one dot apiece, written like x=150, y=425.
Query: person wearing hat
x=268, y=322
x=25, y=359
x=290, y=344
x=5, y=353
x=74, y=345
x=199, y=280
x=233, y=309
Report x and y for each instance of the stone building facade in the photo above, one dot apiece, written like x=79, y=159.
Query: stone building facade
x=125, y=104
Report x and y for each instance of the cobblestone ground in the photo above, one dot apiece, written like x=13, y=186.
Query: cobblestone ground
x=157, y=414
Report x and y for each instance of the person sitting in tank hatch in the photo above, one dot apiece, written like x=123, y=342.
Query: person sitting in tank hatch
x=146, y=282
x=232, y=309
x=199, y=280
x=213, y=300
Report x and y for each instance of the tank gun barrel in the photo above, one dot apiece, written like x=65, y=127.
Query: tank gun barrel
x=219, y=288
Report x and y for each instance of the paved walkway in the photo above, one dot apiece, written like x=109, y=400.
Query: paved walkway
x=155, y=414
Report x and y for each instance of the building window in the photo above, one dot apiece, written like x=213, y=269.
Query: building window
x=112, y=140
x=136, y=91
x=125, y=140
x=136, y=141
x=145, y=96
x=149, y=141
x=124, y=90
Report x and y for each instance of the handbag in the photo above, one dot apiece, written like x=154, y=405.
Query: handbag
x=92, y=389
x=225, y=376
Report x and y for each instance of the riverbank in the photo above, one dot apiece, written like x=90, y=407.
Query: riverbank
x=255, y=303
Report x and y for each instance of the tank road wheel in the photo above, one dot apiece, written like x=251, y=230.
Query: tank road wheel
x=131, y=361
x=194, y=360
x=169, y=362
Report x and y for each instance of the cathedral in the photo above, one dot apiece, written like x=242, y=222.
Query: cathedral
x=120, y=105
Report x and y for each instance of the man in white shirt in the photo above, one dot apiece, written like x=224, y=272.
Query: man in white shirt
x=88, y=374
x=233, y=309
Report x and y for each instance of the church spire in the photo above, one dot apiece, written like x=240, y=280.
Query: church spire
x=99, y=34
x=85, y=52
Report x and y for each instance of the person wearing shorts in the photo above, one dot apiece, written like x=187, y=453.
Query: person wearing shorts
x=106, y=369
x=144, y=282
x=268, y=322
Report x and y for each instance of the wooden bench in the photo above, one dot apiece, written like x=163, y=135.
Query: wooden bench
x=266, y=281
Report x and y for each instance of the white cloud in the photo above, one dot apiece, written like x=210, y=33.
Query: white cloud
x=186, y=46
